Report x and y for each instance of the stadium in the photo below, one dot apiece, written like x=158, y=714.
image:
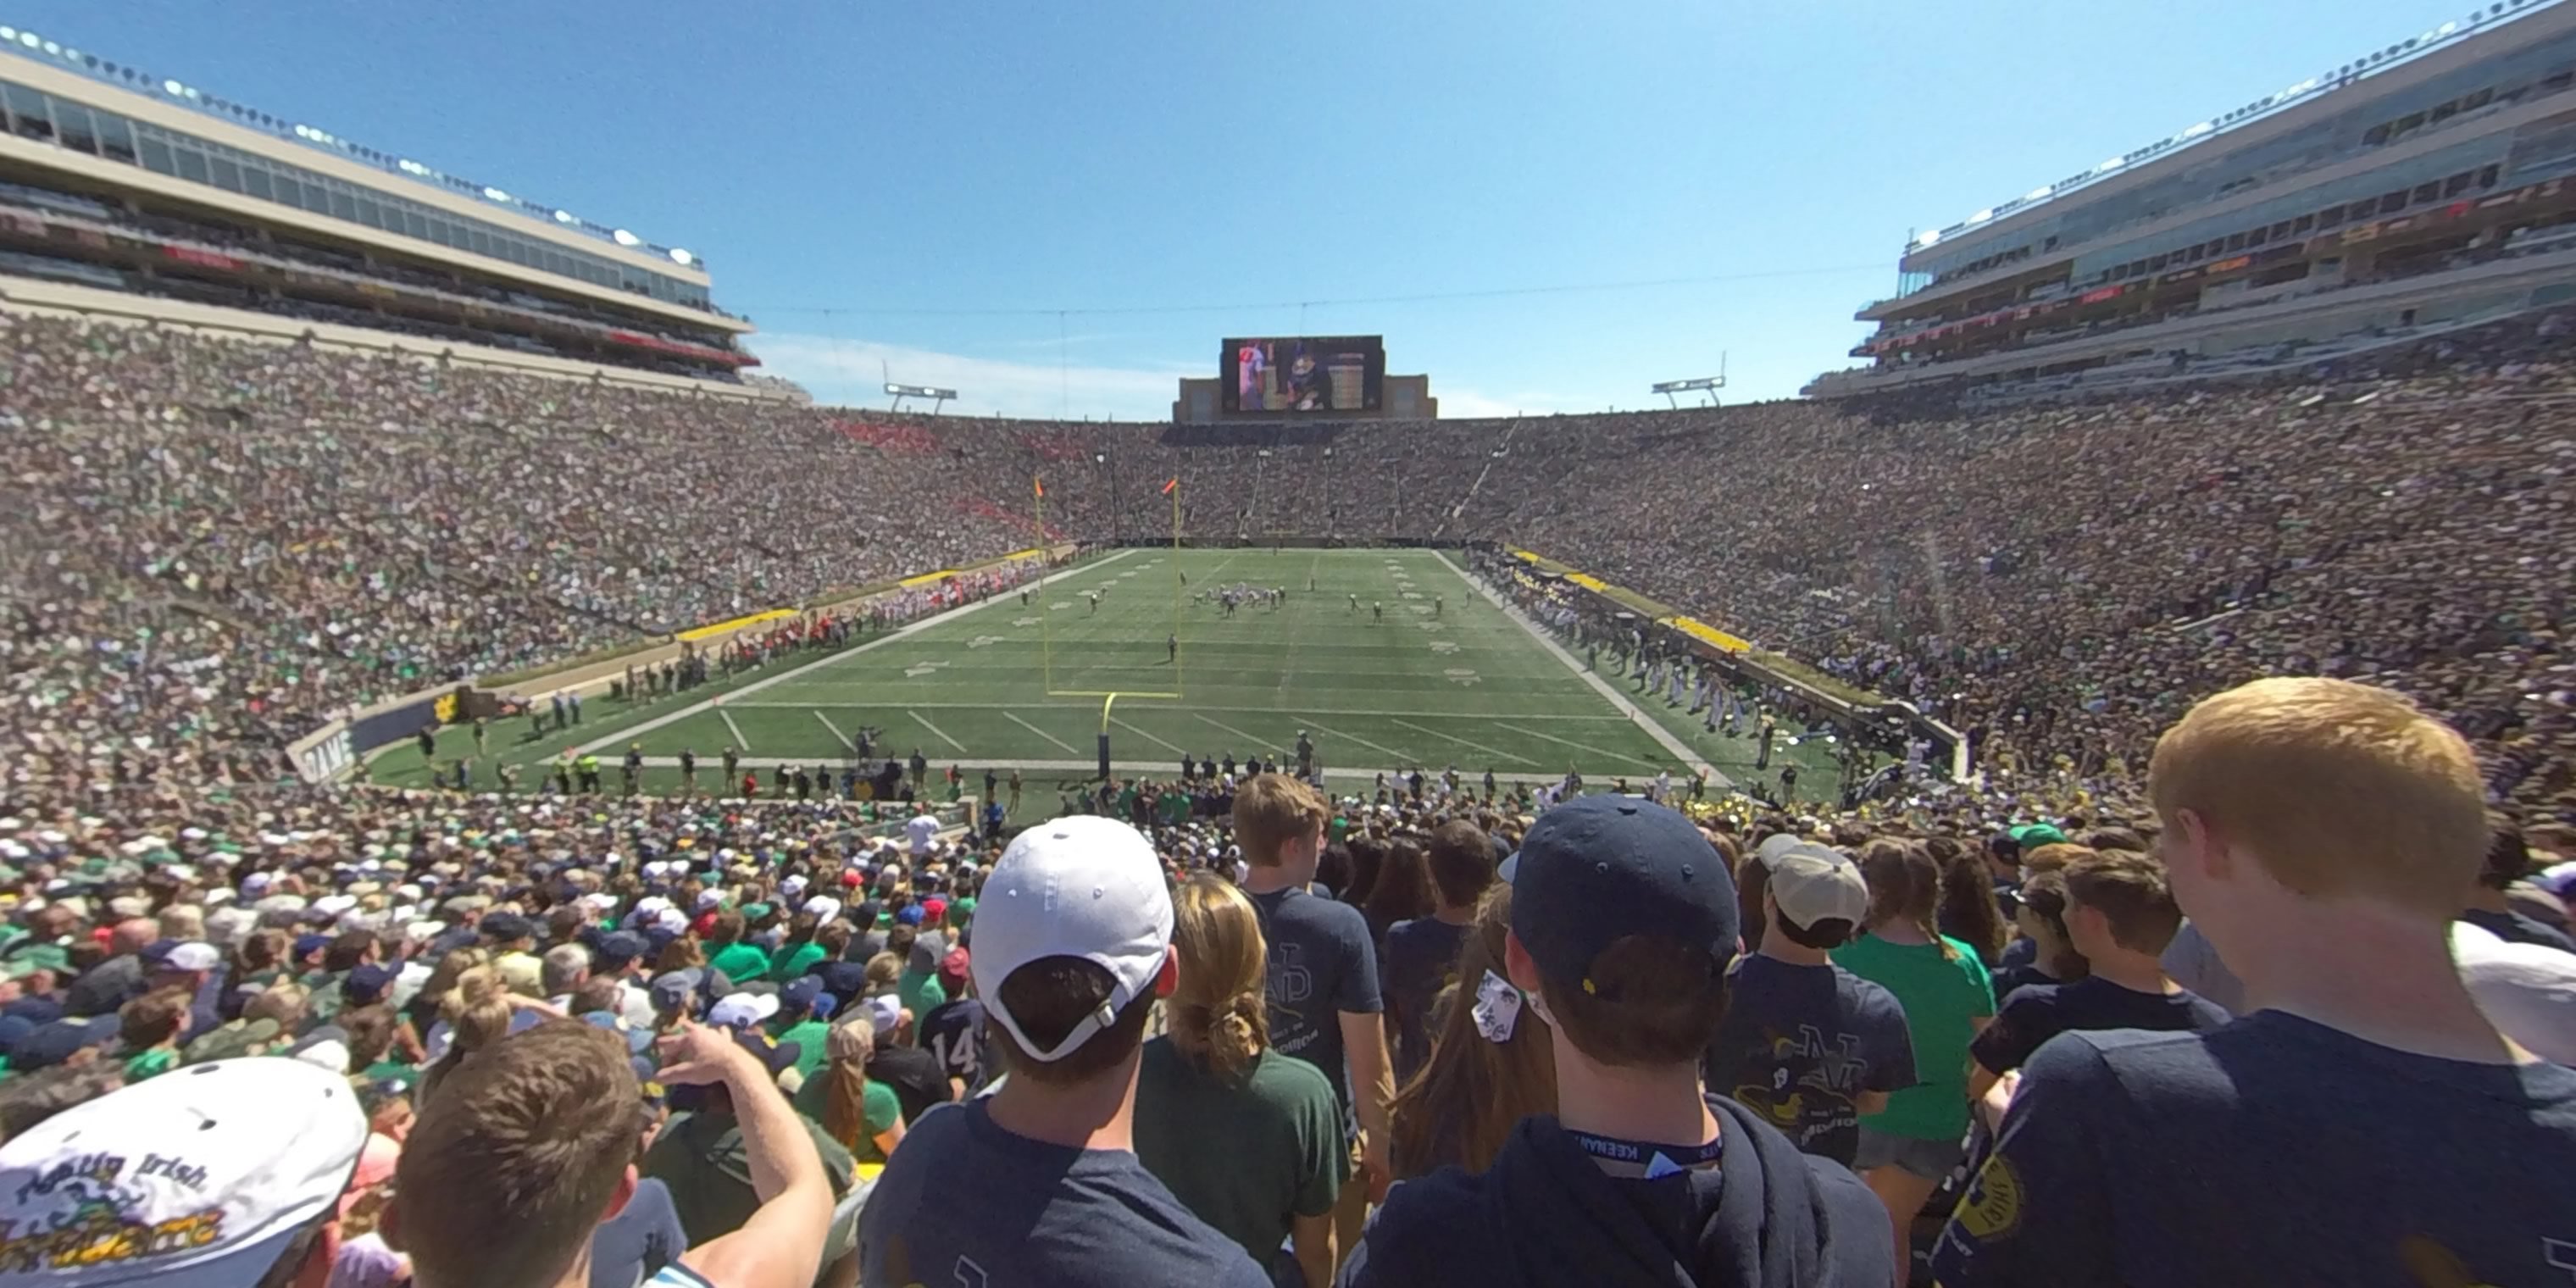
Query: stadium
x=400, y=568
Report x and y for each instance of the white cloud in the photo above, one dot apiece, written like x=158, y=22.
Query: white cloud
x=854, y=372
x=1467, y=404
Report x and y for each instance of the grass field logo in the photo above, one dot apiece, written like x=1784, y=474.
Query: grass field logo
x=1461, y=675
x=1024, y=621
x=1444, y=646
x=984, y=641
x=922, y=668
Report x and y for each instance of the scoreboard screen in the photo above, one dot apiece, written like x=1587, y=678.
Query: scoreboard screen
x=1303, y=374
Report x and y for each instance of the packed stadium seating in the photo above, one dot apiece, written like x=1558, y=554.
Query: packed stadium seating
x=2058, y=579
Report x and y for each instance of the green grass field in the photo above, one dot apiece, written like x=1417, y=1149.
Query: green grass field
x=1443, y=677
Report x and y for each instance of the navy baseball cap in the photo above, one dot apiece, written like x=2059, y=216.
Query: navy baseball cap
x=672, y=989
x=803, y=994
x=366, y=985
x=307, y=945
x=618, y=949
x=844, y=979
x=506, y=926
x=1600, y=869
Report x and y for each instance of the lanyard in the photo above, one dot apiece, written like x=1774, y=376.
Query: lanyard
x=1628, y=1158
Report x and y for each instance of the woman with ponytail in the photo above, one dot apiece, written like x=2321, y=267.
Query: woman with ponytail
x=473, y=1014
x=863, y=1115
x=1490, y=1064
x=1907, y=1148
x=1248, y=1139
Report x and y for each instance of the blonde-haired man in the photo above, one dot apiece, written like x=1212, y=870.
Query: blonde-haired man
x=2364, y=1123
x=1326, y=1007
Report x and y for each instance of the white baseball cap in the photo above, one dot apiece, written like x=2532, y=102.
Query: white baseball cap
x=742, y=1010
x=1812, y=883
x=1081, y=886
x=242, y=1155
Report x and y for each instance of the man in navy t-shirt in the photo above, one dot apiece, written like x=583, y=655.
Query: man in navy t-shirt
x=954, y=1031
x=2365, y=1126
x=1623, y=924
x=2120, y=914
x=1422, y=954
x=1038, y=1183
x=1324, y=1000
x=1806, y=1044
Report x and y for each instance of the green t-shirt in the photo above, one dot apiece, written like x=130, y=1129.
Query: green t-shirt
x=918, y=992
x=809, y=1035
x=701, y=1160
x=796, y=964
x=1943, y=994
x=1248, y=1155
x=743, y=963
x=878, y=1107
x=150, y=1064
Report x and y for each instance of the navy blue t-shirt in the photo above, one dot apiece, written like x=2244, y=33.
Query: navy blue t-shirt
x=1321, y=965
x=1421, y=958
x=966, y=1202
x=1800, y=1043
x=2033, y=1015
x=2272, y=1151
x=954, y=1033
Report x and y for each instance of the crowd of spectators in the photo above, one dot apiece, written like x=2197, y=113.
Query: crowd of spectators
x=1430, y=1038
x=731, y=1023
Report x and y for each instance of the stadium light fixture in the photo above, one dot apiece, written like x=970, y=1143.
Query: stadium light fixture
x=496, y=194
x=625, y=238
x=936, y=395
x=1710, y=384
x=565, y=217
x=682, y=257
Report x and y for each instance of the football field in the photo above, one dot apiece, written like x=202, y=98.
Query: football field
x=1386, y=659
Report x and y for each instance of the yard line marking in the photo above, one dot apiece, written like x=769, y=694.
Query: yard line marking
x=1400, y=756
x=836, y=730
x=1505, y=755
x=1041, y=733
x=738, y=739
x=1663, y=737
x=903, y=632
x=1142, y=734
x=1256, y=741
x=943, y=734
x=1579, y=746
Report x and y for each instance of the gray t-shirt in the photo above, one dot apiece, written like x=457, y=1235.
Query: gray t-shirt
x=1322, y=964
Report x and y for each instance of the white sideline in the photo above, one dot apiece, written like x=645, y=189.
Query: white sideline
x=1662, y=736
x=714, y=703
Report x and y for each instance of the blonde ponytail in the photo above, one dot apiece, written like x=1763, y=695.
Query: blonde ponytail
x=1218, y=1016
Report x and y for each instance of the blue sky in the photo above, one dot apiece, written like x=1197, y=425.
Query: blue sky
x=926, y=185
